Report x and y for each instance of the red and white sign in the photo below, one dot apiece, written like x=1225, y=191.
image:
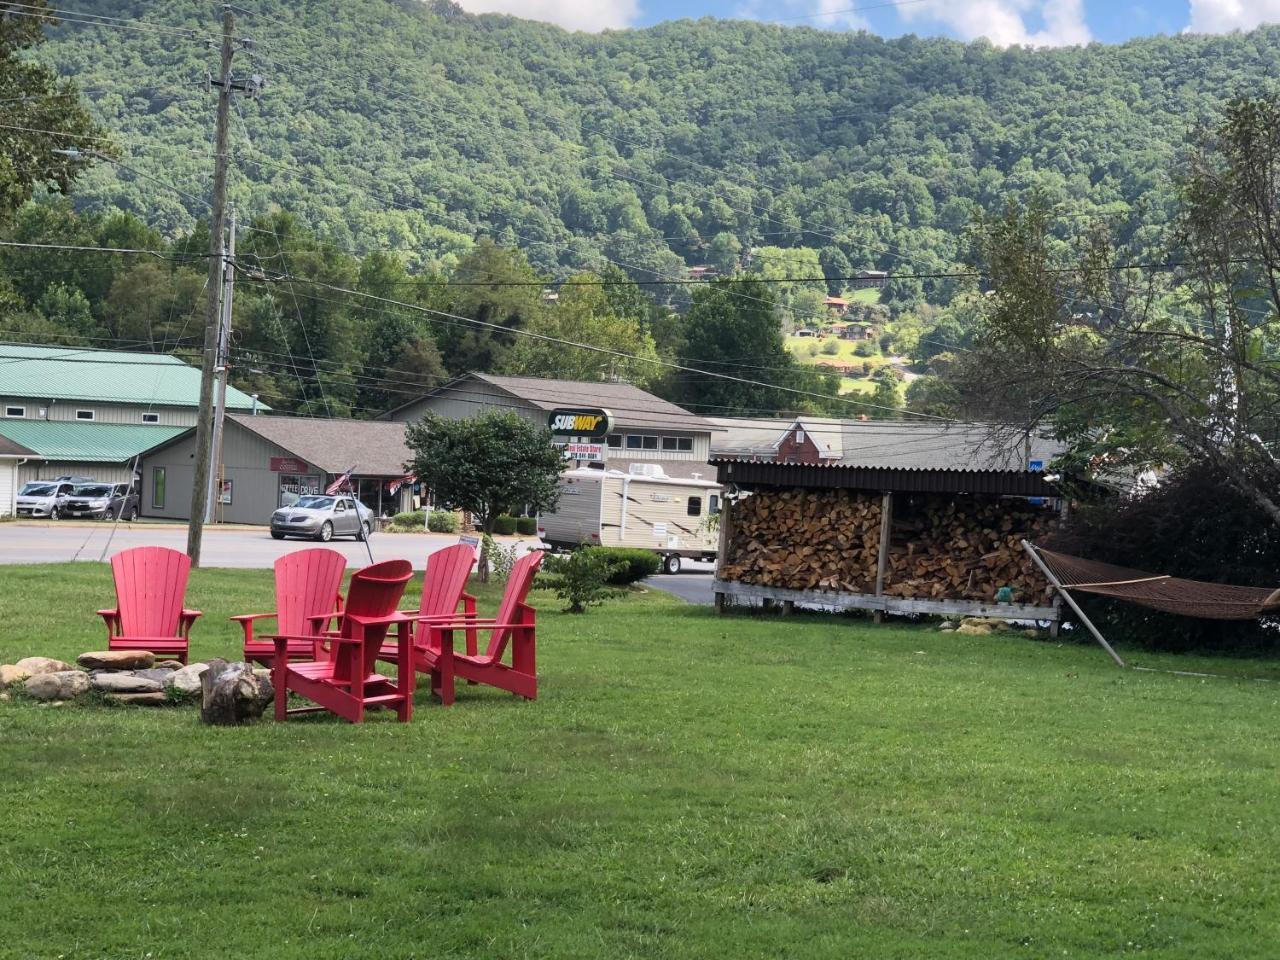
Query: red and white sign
x=288, y=465
x=593, y=452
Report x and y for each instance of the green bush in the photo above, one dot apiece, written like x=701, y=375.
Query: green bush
x=527, y=526
x=582, y=578
x=504, y=526
x=634, y=564
x=865, y=348
x=442, y=521
x=406, y=522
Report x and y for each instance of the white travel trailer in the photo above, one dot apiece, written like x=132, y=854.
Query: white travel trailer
x=641, y=508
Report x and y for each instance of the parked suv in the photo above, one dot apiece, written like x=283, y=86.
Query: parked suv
x=103, y=501
x=44, y=498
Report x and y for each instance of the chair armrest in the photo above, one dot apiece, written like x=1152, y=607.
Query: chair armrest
x=319, y=618
x=246, y=622
x=447, y=618
x=111, y=618
x=110, y=614
x=487, y=624
x=188, y=618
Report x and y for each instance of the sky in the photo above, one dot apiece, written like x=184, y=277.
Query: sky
x=1003, y=22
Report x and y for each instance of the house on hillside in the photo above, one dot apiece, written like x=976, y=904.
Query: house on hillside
x=92, y=413
x=870, y=280
x=646, y=429
x=858, y=331
x=838, y=306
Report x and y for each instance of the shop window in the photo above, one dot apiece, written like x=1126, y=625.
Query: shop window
x=695, y=507
x=634, y=441
x=669, y=443
x=650, y=443
x=684, y=444
x=615, y=441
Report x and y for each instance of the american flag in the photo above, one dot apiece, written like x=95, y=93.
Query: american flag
x=342, y=481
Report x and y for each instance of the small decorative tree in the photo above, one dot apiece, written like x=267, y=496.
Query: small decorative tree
x=486, y=465
x=582, y=578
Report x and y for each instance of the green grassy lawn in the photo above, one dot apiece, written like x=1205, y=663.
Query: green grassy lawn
x=685, y=786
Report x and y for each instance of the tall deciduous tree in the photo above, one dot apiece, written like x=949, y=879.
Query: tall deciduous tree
x=40, y=113
x=487, y=464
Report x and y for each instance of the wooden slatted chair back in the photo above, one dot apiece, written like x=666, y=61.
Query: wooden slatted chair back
x=308, y=583
x=445, y=580
x=151, y=587
x=375, y=591
x=518, y=586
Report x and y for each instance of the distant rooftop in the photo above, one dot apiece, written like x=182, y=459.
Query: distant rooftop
x=374, y=447
x=885, y=444
x=104, y=376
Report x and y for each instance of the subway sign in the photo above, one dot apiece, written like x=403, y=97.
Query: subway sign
x=592, y=424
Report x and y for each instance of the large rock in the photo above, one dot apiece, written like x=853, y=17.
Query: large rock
x=36, y=665
x=117, y=660
x=169, y=665
x=63, y=685
x=9, y=673
x=232, y=694
x=158, y=674
x=125, y=683
x=187, y=680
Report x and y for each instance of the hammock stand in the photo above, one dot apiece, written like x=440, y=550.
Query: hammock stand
x=1188, y=598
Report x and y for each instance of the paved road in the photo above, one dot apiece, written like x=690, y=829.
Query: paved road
x=693, y=583
x=246, y=547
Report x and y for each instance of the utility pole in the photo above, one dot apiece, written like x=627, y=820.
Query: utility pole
x=222, y=368
x=202, y=478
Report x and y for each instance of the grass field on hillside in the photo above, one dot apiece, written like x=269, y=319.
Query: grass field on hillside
x=685, y=786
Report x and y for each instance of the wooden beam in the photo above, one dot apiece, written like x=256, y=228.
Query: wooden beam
x=882, y=562
x=1062, y=592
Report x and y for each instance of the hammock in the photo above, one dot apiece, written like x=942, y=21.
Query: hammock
x=1190, y=598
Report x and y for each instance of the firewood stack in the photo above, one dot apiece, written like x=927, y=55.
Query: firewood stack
x=941, y=547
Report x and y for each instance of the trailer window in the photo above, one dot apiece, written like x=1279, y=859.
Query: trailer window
x=695, y=506
x=713, y=504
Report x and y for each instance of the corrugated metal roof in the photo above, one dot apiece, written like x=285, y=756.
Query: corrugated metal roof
x=104, y=376
x=631, y=407
x=750, y=474
x=375, y=447
x=88, y=442
x=890, y=444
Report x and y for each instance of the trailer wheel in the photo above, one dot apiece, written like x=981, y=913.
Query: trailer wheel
x=671, y=563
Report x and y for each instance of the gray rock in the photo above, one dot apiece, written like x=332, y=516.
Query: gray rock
x=138, y=699
x=36, y=665
x=117, y=660
x=169, y=665
x=63, y=685
x=187, y=680
x=125, y=683
x=158, y=674
x=232, y=694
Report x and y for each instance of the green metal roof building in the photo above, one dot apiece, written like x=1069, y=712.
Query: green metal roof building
x=85, y=412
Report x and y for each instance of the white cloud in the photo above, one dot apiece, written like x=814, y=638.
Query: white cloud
x=589, y=15
x=1004, y=22
x=1222, y=16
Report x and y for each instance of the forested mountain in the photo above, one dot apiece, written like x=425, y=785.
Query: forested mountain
x=411, y=126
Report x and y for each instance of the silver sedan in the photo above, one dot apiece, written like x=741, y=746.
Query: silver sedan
x=323, y=518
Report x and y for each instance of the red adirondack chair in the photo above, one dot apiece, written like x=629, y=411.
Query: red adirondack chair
x=151, y=585
x=443, y=590
x=344, y=682
x=308, y=582
x=514, y=627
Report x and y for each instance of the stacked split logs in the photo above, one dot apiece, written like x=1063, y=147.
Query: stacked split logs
x=941, y=547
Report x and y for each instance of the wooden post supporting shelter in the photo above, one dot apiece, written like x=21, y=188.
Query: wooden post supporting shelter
x=722, y=551
x=882, y=563
x=1062, y=592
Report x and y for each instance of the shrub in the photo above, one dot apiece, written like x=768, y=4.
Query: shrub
x=497, y=558
x=504, y=526
x=442, y=521
x=527, y=526
x=582, y=578
x=634, y=564
x=865, y=348
x=406, y=522
x=831, y=347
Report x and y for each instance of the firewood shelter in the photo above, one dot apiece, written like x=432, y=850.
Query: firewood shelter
x=892, y=540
